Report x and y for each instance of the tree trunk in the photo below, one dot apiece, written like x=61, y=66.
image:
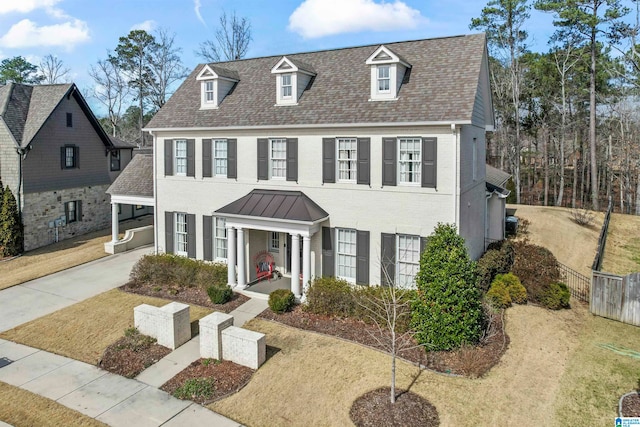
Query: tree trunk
x=592, y=118
x=545, y=165
x=638, y=196
x=574, y=189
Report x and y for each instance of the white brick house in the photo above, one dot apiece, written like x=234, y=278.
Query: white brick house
x=347, y=158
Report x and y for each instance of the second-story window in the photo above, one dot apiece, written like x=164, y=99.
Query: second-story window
x=69, y=157
x=278, y=158
x=220, y=157
x=383, y=79
x=181, y=157
x=286, y=86
x=208, y=92
x=409, y=160
x=347, y=159
x=115, y=160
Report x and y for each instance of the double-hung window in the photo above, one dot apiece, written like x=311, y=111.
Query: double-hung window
x=384, y=79
x=220, y=157
x=181, y=157
x=208, y=92
x=286, y=86
x=220, y=238
x=410, y=160
x=346, y=254
x=274, y=241
x=347, y=159
x=115, y=160
x=181, y=247
x=71, y=212
x=278, y=157
x=408, y=260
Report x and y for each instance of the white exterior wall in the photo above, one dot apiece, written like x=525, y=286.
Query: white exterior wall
x=399, y=209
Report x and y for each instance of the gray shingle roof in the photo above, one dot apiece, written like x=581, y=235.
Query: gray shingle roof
x=496, y=176
x=223, y=72
x=302, y=66
x=441, y=86
x=136, y=179
x=288, y=205
x=119, y=143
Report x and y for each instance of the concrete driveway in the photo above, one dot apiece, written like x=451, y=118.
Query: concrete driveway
x=39, y=297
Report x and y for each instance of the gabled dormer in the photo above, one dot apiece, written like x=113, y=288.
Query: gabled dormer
x=292, y=78
x=215, y=85
x=387, y=73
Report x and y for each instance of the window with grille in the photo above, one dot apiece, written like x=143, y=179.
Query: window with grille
x=384, y=79
x=220, y=236
x=410, y=160
x=208, y=92
x=286, y=86
x=408, y=260
x=347, y=159
x=220, y=157
x=181, y=157
x=69, y=157
x=278, y=158
x=181, y=234
x=274, y=241
x=346, y=254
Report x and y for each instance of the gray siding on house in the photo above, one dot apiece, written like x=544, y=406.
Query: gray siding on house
x=125, y=157
x=9, y=163
x=41, y=168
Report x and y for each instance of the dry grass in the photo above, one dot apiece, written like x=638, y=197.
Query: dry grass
x=62, y=255
x=84, y=330
x=554, y=228
x=22, y=408
x=313, y=379
x=622, y=251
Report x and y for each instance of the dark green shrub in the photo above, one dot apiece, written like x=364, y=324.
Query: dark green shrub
x=556, y=296
x=219, y=294
x=196, y=389
x=498, y=295
x=537, y=269
x=177, y=271
x=331, y=297
x=498, y=259
x=11, y=237
x=448, y=309
x=281, y=300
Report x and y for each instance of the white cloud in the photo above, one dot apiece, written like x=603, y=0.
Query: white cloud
x=319, y=18
x=27, y=34
x=148, y=26
x=196, y=7
x=26, y=6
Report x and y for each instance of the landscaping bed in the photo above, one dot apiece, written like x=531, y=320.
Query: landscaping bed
x=132, y=354
x=208, y=380
x=375, y=409
x=631, y=405
x=187, y=295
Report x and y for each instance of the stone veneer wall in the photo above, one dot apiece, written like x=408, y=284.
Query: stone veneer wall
x=41, y=208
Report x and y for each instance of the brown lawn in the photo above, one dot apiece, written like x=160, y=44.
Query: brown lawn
x=622, y=251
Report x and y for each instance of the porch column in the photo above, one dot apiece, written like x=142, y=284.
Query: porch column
x=231, y=256
x=114, y=223
x=306, y=262
x=242, y=271
x=295, y=265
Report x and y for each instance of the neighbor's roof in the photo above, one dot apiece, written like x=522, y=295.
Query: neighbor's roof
x=136, y=179
x=277, y=204
x=119, y=143
x=440, y=86
x=496, y=176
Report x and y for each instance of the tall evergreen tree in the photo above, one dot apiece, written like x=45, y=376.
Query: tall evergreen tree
x=11, y=239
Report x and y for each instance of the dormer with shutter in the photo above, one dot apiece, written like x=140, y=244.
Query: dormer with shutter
x=216, y=84
x=387, y=73
x=292, y=78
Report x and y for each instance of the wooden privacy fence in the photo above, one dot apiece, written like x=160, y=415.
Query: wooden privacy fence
x=616, y=297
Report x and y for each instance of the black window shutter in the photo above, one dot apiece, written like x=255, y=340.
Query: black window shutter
x=364, y=160
x=207, y=169
x=232, y=158
x=328, y=252
x=76, y=157
x=168, y=232
x=263, y=159
x=292, y=159
x=429, y=162
x=207, y=237
x=388, y=259
x=168, y=157
x=389, y=161
x=191, y=157
x=191, y=235
x=328, y=160
x=362, y=257
x=62, y=157
x=79, y=210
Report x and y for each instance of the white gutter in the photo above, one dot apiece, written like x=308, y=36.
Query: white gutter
x=456, y=162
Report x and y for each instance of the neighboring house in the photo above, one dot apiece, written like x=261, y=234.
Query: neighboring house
x=58, y=161
x=338, y=162
x=496, y=202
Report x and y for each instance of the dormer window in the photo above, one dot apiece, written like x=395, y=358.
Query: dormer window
x=215, y=84
x=292, y=78
x=387, y=74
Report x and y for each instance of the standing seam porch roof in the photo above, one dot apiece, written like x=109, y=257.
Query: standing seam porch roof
x=441, y=86
x=276, y=204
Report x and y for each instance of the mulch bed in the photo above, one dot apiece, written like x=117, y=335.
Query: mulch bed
x=468, y=361
x=375, y=409
x=194, y=295
x=127, y=359
x=631, y=406
x=228, y=378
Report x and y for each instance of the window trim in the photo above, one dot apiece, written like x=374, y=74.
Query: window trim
x=209, y=91
x=175, y=157
x=353, y=256
x=401, y=261
x=214, y=142
x=220, y=239
x=279, y=159
x=177, y=233
x=417, y=173
x=284, y=86
x=380, y=79
x=74, y=156
x=68, y=209
x=352, y=160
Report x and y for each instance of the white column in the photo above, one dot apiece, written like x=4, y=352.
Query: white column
x=114, y=222
x=295, y=265
x=231, y=256
x=242, y=271
x=306, y=262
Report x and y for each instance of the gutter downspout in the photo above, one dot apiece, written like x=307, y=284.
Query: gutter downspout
x=456, y=207
x=22, y=155
x=156, y=216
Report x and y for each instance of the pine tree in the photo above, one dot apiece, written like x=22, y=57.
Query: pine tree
x=11, y=242
x=1, y=195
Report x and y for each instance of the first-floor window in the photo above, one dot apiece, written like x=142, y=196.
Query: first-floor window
x=181, y=234
x=274, y=241
x=220, y=237
x=410, y=159
x=346, y=254
x=71, y=209
x=408, y=260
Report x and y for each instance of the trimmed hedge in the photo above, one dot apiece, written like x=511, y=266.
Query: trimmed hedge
x=539, y=273
x=498, y=295
x=219, y=294
x=330, y=297
x=498, y=259
x=505, y=289
x=556, y=296
x=281, y=300
x=175, y=270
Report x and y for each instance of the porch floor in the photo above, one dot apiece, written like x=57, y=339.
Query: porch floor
x=266, y=286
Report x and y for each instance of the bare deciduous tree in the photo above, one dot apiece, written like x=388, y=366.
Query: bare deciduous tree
x=232, y=40
x=111, y=89
x=165, y=67
x=53, y=70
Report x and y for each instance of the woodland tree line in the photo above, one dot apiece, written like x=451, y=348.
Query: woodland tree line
x=567, y=120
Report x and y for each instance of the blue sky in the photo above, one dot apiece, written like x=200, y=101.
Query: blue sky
x=80, y=32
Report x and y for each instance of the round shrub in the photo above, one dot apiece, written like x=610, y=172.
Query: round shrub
x=331, y=297
x=498, y=259
x=219, y=294
x=537, y=269
x=517, y=292
x=556, y=296
x=498, y=295
x=281, y=300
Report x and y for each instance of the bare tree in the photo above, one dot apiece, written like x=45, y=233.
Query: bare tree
x=165, y=67
x=53, y=70
x=111, y=89
x=232, y=40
